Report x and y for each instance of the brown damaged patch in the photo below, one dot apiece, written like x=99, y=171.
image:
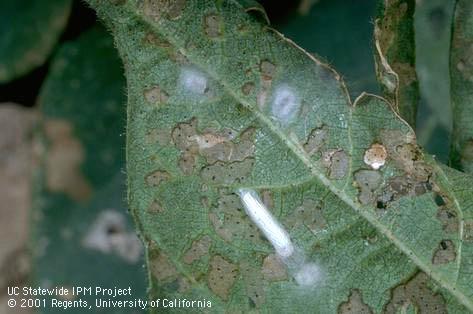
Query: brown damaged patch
x=160, y=266
x=263, y=93
x=316, y=140
x=253, y=284
x=449, y=219
x=156, y=96
x=64, y=159
x=267, y=198
x=222, y=276
x=309, y=214
x=417, y=295
x=416, y=176
x=227, y=173
x=157, y=177
x=181, y=136
x=159, y=136
x=468, y=231
x=213, y=25
x=156, y=40
x=157, y=9
x=219, y=148
x=406, y=155
x=367, y=182
x=267, y=69
x=155, y=207
x=273, y=269
x=401, y=186
x=354, y=305
x=212, y=145
x=247, y=88
x=198, y=249
x=230, y=221
x=337, y=162
x=445, y=253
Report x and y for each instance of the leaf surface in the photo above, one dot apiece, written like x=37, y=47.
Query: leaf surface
x=218, y=101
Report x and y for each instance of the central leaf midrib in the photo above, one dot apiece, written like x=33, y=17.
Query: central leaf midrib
x=316, y=171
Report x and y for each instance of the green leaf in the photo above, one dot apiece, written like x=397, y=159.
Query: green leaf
x=80, y=216
x=31, y=28
x=461, y=71
x=218, y=101
x=395, y=57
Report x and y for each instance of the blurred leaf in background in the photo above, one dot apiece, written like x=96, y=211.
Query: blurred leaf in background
x=30, y=30
x=16, y=166
x=433, y=20
x=82, y=234
x=340, y=32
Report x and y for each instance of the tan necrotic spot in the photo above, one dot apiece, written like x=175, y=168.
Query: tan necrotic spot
x=354, y=305
x=309, y=214
x=156, y=9
x=156, y=40
x=449, y=219
x=155, y=178
x=367, y=182
x=160, y=266
x=267, y=69
x=375, y=156
x=247, y=88
x=160, y=136
x=222, y=276
x=273, y=269
x=337, y=162
x=156, y=95
x=208, y=140
x=155, y=207
x=468, y=231
x=230, y=222
x=417, y=295
x=267, y=198
x=182, y=136
x=316, y=140
x=227, y=173
x=214, y=146
x=253, y=284
x=198, y=249
x=213, y=25
x=65, y=157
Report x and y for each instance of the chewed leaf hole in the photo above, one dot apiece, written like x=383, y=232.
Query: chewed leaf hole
x=439, y=200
